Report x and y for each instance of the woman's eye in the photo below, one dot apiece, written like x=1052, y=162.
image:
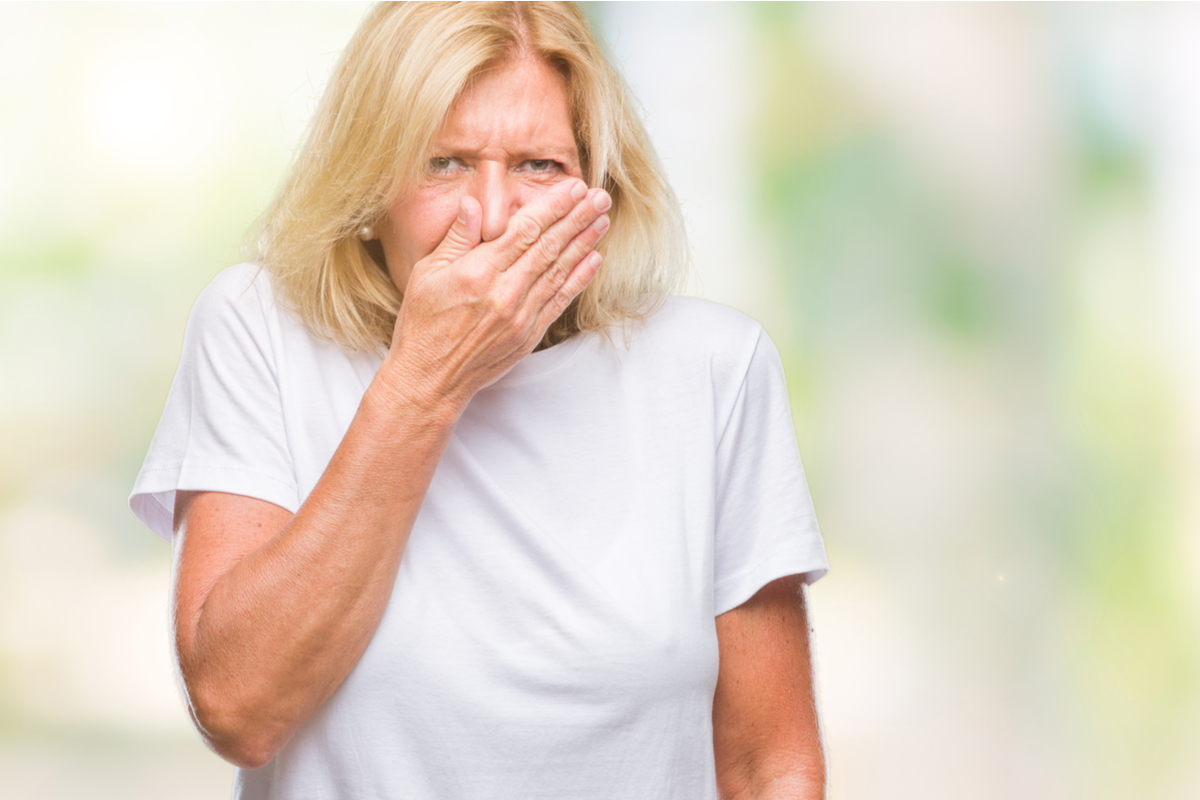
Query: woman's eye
x=441, y=162
x=542, y=165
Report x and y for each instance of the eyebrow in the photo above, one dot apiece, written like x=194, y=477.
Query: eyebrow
x=550, y=152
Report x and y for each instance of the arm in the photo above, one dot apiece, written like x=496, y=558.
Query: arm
x=272, y=611
x=766, y=733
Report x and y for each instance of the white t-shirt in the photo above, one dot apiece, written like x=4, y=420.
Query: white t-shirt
x=551, y=631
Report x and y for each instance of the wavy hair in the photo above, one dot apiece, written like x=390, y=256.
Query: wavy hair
x=371, y=138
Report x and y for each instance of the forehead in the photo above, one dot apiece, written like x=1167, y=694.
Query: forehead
x=515, y=106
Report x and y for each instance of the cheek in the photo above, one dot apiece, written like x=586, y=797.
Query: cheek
x=421, y=222
x=413, y=229
x=529, y=192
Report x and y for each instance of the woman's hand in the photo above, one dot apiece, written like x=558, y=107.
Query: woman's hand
x=472, y=310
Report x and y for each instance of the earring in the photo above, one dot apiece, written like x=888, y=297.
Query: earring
x=366, y=233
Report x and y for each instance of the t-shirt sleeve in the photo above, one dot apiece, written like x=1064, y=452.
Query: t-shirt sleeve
x=222, y=428
x=765, y=524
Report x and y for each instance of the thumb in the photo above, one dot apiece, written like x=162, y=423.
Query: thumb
x=464, y=234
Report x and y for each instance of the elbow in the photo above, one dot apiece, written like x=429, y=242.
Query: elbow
x=247, y=754
x=241, y=733
x=806, y=781
x=794, y=778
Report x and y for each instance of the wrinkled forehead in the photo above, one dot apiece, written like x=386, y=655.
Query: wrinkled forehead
x=518, y=105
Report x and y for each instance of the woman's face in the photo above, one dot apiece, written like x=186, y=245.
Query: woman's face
x=507, y=140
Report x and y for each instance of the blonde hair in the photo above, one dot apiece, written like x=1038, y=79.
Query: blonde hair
x=370, y=142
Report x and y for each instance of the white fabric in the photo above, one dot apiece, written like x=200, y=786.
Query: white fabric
x=551, y=630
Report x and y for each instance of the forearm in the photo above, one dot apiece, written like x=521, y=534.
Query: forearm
x=280, y=631
x=766, y=730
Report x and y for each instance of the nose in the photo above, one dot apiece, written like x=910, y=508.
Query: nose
x=498, y=198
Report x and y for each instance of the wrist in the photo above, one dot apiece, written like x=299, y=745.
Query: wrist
x=403, y=390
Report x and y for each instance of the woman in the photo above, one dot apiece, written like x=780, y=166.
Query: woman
x=456, y=511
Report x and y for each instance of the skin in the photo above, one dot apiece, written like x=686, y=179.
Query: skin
x=508, y=139
x=271, y=611
x=766, y=732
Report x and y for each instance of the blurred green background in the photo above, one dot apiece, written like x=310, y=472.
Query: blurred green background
x=973, y=231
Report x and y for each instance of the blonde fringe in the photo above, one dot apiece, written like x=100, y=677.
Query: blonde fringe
x=370, y=140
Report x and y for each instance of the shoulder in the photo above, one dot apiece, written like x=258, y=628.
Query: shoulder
x=239, y=314
x=242, y=287
x=240, y=299
x=235, y=312
x=701, y=324
x=703, y=314
x=689, y=330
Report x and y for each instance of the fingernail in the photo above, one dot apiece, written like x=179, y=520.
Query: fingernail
x=602, y=201
x=594, y=259
x=601, y=224
x=578, y=191
x=462, y=212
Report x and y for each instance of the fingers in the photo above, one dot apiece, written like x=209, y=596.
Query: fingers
x=551, y=279
x=465, y=233
x=527, y=226
x=577, y=280
x=544, y=259
x=567, y=240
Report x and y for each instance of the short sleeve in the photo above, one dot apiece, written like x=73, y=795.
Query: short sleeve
x=765, y=524
x=222, y=428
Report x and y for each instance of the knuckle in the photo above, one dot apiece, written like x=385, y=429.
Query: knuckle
x=520, y=326
x=562, y=298
x=557, y=273
x=547, y=248
x=527, y=231
x=496, y=305
x=473, y=283
x=505, y=304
